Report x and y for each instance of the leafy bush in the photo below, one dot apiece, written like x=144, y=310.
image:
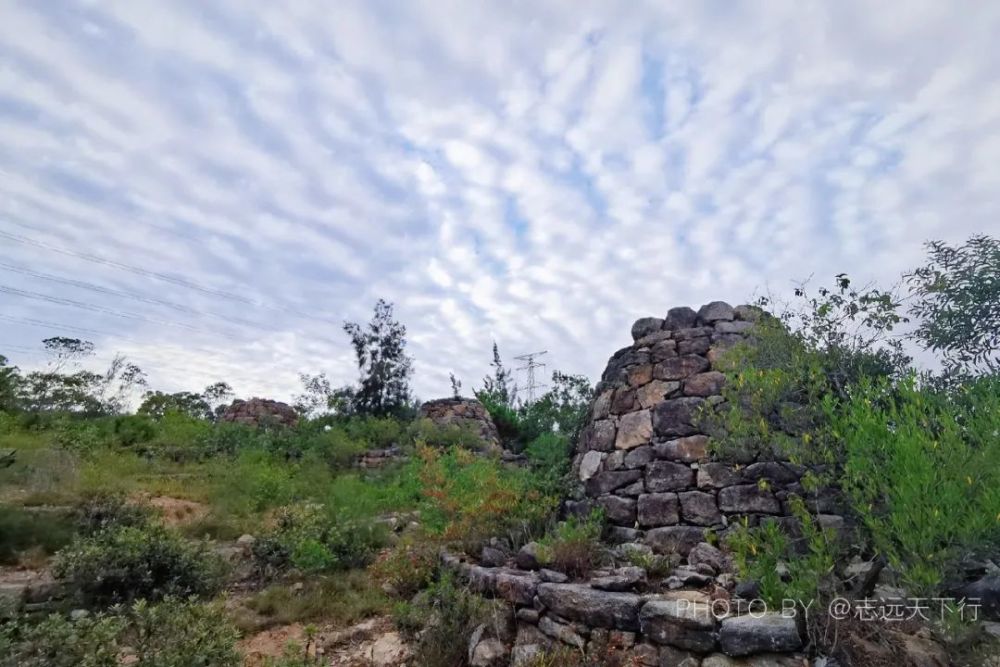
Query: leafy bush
x=407, y=567
x=574, y=546
x=922, y=470
x=442, y=618
x=22, y=530
x=173, y=633
x=309, y=539
x=757, y=553
x=471, y=499
x=88, y=641
x=104, y=510
x=130, y=430
x=132, y=562
x=178, y=633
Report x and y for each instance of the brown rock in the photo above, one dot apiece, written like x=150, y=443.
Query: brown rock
x=704, y=384
x=640, y=375
x=622, y=401
x=688, y=449
x=634, y=429
x=678, y=368
x=655, y=392
x=260, y=412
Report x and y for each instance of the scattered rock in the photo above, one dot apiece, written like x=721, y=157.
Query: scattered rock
x=680, y=623
x=563, y=633
x=620, y=579
x=705, y=553
x=528, y=556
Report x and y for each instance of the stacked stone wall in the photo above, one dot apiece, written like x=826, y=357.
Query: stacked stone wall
x=645, y=457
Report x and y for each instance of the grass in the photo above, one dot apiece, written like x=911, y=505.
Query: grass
x=341, y=599
x=31, y=535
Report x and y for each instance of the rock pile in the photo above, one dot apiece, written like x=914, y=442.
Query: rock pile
x=466, y=412
x=260, y=412
x=645, y=459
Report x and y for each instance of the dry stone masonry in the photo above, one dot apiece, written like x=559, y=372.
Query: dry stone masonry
x=260, y=412
x=645, y=459
x=466, y=412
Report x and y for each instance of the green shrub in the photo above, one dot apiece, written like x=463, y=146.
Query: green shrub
x=808, y=560
x=922, y=471
x=22, y=530
x=105, y=510
x=173, y=633
x=574, y=546
x=407, y=567
x=124, y=564
x=469, y=499
x=441, y=620
x=176, y=633
x=131, y=430
x=89, y=641
x=309, y=539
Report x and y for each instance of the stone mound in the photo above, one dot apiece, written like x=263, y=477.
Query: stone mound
x=261, y=412
x=466, y=412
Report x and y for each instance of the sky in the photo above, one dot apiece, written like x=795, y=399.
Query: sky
x=213, y=188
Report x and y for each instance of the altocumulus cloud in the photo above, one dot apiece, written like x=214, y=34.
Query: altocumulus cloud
x=538, y=173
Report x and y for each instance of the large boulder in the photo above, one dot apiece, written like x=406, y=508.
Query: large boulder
x=260, y=412
x=465, y=412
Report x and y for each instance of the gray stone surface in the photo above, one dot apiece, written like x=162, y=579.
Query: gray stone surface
x=746, y=635
x=658, y=509
x=748, y=499
x=676, y=416
x=715, y=311
x=668, y=476
x=699, y=508
x=674, y=539
x=580, y=602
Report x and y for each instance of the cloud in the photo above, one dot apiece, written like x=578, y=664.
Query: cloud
x=536, y=174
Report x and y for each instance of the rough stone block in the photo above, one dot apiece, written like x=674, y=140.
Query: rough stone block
x=746, y=635
x=717, y=475
x=608, y=481
x=617, y=510
x=639, y=457
x=674, y=539
x=655, y=392
x=602, y=436
x=679, y=623
x=688, y=449
x=715, y=311
x=700, y=345
x=675, y=417
x=640, y=375
x=699, y=508
x=645, y=326
x=748, y=498
x=634, y=429
x=668, y=476
x=658, y=509
x=601, y=609
x=709, y=383
x=679, y=368
x=680, y=318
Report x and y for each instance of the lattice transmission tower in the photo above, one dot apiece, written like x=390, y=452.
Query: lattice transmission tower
x=530, y=365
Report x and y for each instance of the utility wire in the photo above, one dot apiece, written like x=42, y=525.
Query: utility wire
x=129, y=295
x=108, y=311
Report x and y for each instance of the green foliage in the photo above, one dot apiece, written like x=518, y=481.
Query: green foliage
x=90, y=641
x=957, y=298
x=309, y=539
x=10, y=386
x=380, y=349
x=341, y=599
x=574, y=546
x=819, y=348
x=156, y=404
x=132, y=562
x=130, y=430
x=808, y=560
x=107, y=511
x=922, y=469
x=448, y=613
x=173, y=633
x=407, y=567
x=498, y=389
x=470, y=499
x=178, y=633
x=22, y=530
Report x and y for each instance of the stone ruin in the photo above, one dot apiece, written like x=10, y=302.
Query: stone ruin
x=260, y=412
x=466, y=412
x=645, y=460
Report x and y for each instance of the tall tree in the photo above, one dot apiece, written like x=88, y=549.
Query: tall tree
x=957, y=298
x=10, y=382
x=380, y=349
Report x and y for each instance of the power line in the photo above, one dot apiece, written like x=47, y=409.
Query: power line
x=129, y=295
x=181, y=282
x=108, y=311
